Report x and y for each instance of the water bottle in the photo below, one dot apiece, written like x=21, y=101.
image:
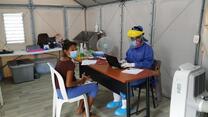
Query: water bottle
x=81, y=50
x=85, y=49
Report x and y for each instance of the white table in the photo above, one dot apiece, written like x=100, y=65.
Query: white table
x=20, y=53
x=23, y=52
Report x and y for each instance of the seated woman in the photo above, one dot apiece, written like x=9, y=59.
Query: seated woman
x=65, y=66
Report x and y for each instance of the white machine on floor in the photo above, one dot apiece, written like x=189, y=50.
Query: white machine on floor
x=189, y=96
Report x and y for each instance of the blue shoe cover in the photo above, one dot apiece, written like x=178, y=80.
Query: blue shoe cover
x=120, y=112
x=113, y=104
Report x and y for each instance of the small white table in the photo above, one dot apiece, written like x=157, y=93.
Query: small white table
x=20, y=53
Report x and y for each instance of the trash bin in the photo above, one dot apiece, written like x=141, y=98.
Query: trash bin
x=22, y=70
x=41, y=66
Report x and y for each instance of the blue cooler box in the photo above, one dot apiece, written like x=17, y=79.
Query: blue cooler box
x=41, y=66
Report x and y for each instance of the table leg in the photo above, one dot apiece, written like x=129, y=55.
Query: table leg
x=147, y=98
x=59, y=54
x=1, y=97
x=1, y=70
x=128, y=100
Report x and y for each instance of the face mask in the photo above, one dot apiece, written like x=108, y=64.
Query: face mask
x=139, y=43
x=73, y=54
x=133, y=44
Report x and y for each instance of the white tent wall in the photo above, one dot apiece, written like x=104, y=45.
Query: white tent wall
x=49, y=21
x=111, y=21
x=136, y=12
x=177, y=21
x=46, y=20
x=93, y=18
x=111, y=24
x=107, y=16
x=76, y=22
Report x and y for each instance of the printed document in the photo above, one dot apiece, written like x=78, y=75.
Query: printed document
x=132, y=71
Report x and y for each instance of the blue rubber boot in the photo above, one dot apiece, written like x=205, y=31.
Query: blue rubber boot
x=113, y=104
x=120, y=112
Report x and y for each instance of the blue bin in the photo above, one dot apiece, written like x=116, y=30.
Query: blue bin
x=41, y=66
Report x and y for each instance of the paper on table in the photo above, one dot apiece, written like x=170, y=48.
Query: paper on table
x=132, y=71
x=88, y=62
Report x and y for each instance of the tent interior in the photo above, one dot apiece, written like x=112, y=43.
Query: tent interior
x=176, y=30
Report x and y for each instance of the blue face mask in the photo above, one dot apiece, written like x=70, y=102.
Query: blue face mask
x=73, y=54
x=133, y=44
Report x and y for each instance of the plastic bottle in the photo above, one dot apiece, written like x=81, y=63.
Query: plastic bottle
x=85, y=49
x=78, y=53
x=81, y=50
x=96, y=28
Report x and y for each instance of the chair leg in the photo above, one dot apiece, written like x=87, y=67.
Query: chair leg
x=54, y=107
x=86, y=106
x=153, y=97
x=58, y=109
x=132, y=91
x=138, y=101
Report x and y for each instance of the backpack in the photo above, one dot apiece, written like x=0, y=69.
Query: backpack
x=43, y=39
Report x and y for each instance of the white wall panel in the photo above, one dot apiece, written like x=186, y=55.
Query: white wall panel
x=111, y=22
x=75, y=22
x=176, y=23
x=136, y=13
x=49, y=21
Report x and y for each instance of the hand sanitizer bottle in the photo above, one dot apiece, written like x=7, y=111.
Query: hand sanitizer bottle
x=81, y=50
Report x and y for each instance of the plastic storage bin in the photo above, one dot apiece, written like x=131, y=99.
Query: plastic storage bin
x=41, y=66
x=22, y=70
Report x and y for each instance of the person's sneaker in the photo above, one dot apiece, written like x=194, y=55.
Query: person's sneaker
x=120, y=112
x=113, y=104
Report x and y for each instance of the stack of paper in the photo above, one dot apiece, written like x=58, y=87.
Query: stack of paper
x=132, y=71
x=89, y=62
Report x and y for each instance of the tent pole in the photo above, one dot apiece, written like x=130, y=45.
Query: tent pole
x=153, y=22
x=122, y=23
x=31, y=8
x=197, y=50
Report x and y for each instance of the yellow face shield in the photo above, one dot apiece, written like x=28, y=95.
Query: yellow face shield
x=134, y=33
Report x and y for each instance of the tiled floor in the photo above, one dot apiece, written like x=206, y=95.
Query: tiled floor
x=34, y=99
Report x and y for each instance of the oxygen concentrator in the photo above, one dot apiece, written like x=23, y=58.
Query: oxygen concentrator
x=189, y=96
